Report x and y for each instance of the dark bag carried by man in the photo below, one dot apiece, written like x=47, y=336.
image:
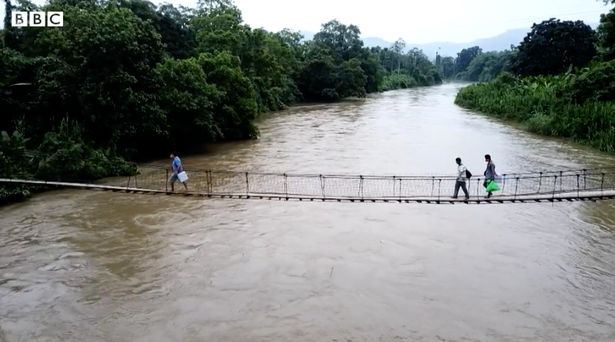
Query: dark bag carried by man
x=468, y=174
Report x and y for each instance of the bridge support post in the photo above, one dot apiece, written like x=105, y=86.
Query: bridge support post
x=247, y=185
x=554, y=187
x=578, y=185
x=322, y=186
x=433, y=184
x=477, y=189
x=503, y=183
x=361, y=187
x=209, y=180
x=602, y=186
x=394, y=185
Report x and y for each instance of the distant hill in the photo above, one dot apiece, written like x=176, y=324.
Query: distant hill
x=500, y=42
x=375, y=41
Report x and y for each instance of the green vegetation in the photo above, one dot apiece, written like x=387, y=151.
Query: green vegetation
x=474, y=65
x=445, y=66
x=126, y=80
x=487, y=66
x=606, y=34
x=553, y=47
x=62, y=154
x=550, y=48
x=465, y=57
x=551, y=95
x=551, y=105
x=406, y=70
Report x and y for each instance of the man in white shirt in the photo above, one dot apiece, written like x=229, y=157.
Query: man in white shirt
x=461, y=179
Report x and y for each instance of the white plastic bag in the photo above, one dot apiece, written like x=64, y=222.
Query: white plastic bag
x=182, y=176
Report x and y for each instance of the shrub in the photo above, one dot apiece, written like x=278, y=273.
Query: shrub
x=597, y=83
x=64, y=155
x=14, y=159
x=581, y=107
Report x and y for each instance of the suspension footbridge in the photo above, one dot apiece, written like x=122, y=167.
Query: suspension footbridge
x=547, y=186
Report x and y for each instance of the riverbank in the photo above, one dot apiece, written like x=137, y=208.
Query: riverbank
x=62, y=154
x=93, y=265
x=580, y=107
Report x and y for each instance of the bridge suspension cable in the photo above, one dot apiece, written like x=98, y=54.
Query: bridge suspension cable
x=565, y=185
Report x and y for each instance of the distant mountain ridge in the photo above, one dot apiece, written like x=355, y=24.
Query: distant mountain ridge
x=499, y=42
x=496, y=43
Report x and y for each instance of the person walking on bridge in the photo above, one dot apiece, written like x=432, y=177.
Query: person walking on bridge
x=177, y=169
x=490, y=175
x=462, y=173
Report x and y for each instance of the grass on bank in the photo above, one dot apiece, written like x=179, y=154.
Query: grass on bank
x=577, y=106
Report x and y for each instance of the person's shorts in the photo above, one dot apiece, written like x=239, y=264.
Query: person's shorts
x=173, y=178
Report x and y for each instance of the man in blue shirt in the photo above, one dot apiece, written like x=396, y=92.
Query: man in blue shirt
x=176, y=169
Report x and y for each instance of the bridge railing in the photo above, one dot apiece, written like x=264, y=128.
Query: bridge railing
x=368, y=186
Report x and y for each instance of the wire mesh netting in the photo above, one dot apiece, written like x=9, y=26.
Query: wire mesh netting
x=368, y=187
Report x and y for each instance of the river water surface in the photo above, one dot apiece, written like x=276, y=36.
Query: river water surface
x=96, y=266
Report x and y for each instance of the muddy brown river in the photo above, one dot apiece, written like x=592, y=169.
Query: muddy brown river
x=78, y=265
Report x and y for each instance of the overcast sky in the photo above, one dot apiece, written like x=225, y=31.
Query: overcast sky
x=417, y=21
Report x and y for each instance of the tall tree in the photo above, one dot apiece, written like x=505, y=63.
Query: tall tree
x=606, y=35
x=172, y=24
x=337, y=65
x=218, y=26
x=465, y=57
x=8, y=7
x=235, y=105
x=447, y=67
x=106, y=74
x=341, y=40
x=554, y=46
x=398, y=47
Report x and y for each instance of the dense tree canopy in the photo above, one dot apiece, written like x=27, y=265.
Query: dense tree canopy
x=129, y=79
x=554, y=46
x=465, y=57
x=487, y=66
x=446, y=66
x=170, y=22
x=337, y=65
x=606, y=35
x=571, y=96
x=405, y=70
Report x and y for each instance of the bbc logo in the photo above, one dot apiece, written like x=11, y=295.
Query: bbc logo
x=37, y=19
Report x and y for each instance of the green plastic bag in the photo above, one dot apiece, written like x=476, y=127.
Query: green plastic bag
x=492, y=186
